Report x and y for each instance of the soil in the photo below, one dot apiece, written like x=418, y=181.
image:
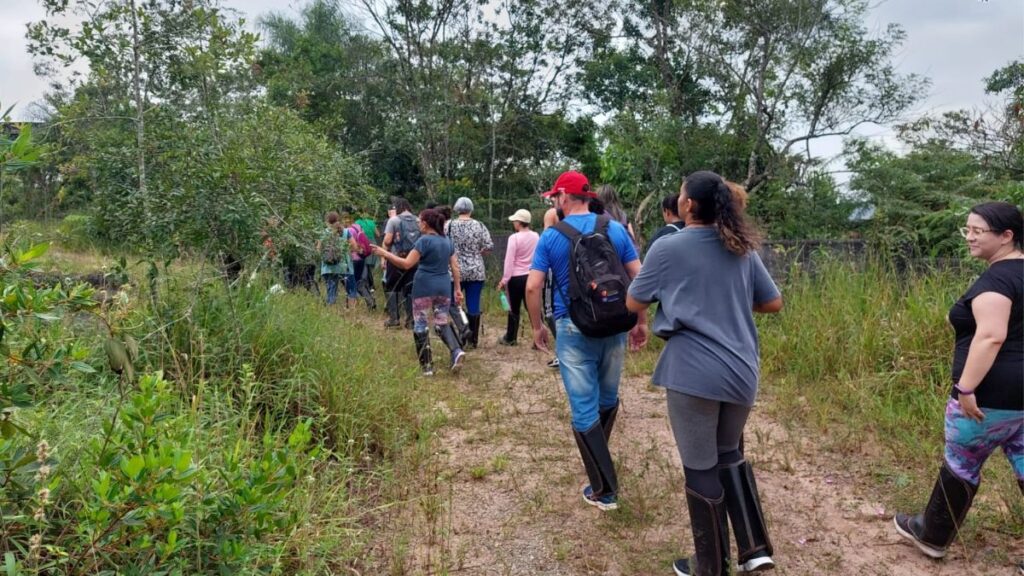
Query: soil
x=505, y=490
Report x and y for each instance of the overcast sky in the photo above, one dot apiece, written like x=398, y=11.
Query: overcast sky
x=955, y=43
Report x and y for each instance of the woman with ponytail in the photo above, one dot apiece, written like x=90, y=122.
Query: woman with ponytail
x=710, y=280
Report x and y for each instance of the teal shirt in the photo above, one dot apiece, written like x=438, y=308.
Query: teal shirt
x=345, y=265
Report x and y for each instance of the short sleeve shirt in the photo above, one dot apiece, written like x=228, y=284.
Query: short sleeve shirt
x=432, y=278
x=552, y=254
x=706, y=314
x=471, y=239
x=369, y=228
x=1002, y=387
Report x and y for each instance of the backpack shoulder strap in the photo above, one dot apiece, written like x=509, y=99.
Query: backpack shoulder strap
x=567, y=230
x=601, y=226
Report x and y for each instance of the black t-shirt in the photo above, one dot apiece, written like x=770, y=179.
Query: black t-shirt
x=666, y=230
x=1003, y=385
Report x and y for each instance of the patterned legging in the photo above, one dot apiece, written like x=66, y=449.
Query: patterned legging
x=422, y=307
x=969, y=443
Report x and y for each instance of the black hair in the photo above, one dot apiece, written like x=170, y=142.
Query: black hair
x=1002, y=216
x=401, y=204
x=715, y=205
x=671, y=203
x=434, y=219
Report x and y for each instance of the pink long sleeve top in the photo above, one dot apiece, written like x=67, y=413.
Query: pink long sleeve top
x=519, y=253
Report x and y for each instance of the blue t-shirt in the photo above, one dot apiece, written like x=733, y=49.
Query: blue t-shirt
x=432, y=278
x=707, y=296
x=552, y=253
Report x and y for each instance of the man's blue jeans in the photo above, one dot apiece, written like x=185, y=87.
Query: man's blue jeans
x=591, y=369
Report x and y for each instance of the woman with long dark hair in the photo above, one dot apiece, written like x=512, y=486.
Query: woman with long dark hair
x=985, y=409
x=709, y=281
x=432, y=255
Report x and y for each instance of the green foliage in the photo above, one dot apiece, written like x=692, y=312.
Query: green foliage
x=955, y=160
x=37, y=356
x=156, y=504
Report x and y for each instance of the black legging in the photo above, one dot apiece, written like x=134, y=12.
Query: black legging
x=516, y=297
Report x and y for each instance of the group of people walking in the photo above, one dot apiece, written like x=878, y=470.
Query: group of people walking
x=585, y=287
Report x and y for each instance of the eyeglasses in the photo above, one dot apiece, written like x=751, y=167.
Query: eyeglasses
x=975, y=231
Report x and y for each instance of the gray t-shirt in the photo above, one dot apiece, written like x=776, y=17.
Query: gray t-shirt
x=706, y=314
x=395, y=226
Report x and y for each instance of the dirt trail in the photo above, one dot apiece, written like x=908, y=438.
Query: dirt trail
x=507, y=483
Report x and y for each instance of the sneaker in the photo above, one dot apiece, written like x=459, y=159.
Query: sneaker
x=759, y=563
x=553, y=363
x=905, y=527
x=606, y=502
x=682, y=567
x=457, y=356
x=428, y=371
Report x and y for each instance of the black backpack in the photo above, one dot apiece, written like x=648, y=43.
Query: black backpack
x=597, y=282
x=408, y=234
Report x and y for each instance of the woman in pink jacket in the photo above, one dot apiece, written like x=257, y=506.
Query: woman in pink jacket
x=518, y=255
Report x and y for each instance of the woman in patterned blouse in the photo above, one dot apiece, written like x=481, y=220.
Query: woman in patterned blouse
x=472, y=240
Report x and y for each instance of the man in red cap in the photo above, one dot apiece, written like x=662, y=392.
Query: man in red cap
x=591, y=367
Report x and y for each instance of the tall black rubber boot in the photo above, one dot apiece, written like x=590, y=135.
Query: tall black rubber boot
x=710, y=537
x=447, y=335
x=753, y=547
x=422, y=340
x=607, y=417
x=597, y=461
x=392, y=307
x=407, y=304
x=936, y=528
x=363, y=289
x=474, y=331
x=511, y=329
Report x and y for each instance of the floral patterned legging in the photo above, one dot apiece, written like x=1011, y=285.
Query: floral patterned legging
x=422, y=307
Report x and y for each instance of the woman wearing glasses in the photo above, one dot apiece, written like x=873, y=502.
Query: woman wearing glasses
x=985, y=410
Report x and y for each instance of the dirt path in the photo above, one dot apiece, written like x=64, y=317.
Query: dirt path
x=505, y=491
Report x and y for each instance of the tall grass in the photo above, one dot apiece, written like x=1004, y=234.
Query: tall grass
x=248, y=366
x=862, y=354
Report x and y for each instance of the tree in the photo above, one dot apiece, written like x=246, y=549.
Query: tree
x=955, y=160
x=214, y=161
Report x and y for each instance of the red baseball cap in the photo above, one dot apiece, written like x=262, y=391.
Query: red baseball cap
x=571, y=182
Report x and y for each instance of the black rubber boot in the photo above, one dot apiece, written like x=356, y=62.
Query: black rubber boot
x=447, y=335
x=422, y=340
x=392, y=307
x=363, y=289
x=474, y=331
x=936, y=528
x=608, y=420
x=710, y=538
x=511, y=330
x=753, y=547
x=597, y=461
x=407, y=304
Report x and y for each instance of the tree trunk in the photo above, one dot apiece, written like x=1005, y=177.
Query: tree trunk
x=140, y=125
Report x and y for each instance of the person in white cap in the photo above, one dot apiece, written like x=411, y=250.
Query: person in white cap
x=518, y=255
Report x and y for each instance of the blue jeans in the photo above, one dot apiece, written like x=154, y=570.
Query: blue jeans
x=591, y=369
x=471, y=291
x=350, y=285
x=332, y=287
